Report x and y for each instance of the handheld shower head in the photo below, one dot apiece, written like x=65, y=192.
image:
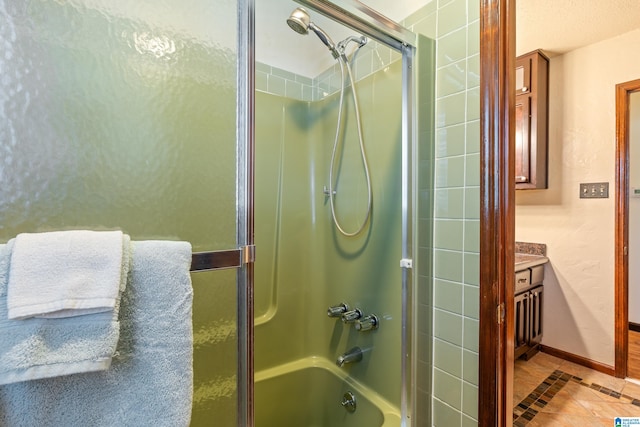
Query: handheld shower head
x=300, y=22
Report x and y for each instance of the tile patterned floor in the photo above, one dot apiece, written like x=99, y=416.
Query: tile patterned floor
x=553, y=392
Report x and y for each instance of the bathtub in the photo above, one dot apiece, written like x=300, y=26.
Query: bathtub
x=308, y=393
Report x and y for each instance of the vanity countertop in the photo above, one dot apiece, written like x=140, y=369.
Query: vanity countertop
x=524, y=261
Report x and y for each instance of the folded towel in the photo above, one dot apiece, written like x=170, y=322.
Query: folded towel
x=151, y=378
x=41, y=348
x=64, y=273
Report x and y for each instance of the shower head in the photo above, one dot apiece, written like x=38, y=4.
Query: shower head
x=300, y=22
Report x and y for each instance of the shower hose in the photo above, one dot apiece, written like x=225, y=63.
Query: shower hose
x=344, y=63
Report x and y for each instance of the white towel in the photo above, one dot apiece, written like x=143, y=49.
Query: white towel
x=150, y=381
x=35, y=348
x=65, y=273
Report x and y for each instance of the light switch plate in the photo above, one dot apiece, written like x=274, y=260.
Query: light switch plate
x=594, y=190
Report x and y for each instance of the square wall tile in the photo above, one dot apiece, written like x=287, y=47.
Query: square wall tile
x=261, y=81
x=450, y=141
x=451, y=110
x=471, y=236
x=471, y=301
x=447, y=265
x=470, y=400
x=444, y=415
x=449, y=203
x=425, y=178
x=448, y=296
x=472, y=203
x=473, y=10
x=451, y=79
x=473, y=71
x=443, y=3
x=472, y=170
x=425, y=267
x=424, y=354
x=452, y=16
x=473, y=104
x=473, y=137
x=448, y=234
x=470, y=365
x=423, y=409
x=473, y=40
x=447, y=326
x=426, y=26
x=428, y=9
x=472, y=269
x=471, y=334
x=293, y=89
x=468, y=422
x=450, y=172
x=447, y=388
x=453, y=47
x=447, y=357
x=277, y=85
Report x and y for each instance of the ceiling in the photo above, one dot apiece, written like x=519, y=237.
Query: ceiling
x=560, y=26
x=555, y=26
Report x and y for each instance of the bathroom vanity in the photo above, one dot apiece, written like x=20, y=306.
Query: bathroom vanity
x=528, y=301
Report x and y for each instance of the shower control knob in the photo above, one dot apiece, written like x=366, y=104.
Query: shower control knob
x=352, y=316
x=337, y=310
x=367, y=323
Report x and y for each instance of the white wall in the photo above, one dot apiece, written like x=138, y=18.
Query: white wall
x=634, y=209
x=579, y=233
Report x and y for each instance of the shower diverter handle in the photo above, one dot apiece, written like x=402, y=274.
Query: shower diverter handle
x=337, y=310
x=352, y=316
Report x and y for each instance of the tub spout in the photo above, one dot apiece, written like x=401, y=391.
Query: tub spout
x=351, y=356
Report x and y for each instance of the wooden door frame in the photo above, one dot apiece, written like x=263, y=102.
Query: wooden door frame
x=623, y=92
x=497, y=212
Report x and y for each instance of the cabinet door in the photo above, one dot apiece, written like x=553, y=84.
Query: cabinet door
x=535, y=300
x=523, y=138
x=522, y=322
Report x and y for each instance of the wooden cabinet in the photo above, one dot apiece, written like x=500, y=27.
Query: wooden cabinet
x=532, y=75
x=528, y=322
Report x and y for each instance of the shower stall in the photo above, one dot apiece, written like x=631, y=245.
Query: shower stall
x=334, y=208
x=144, y=118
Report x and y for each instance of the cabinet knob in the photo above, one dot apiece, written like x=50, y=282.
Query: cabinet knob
x=521, y=178
x=524, y=88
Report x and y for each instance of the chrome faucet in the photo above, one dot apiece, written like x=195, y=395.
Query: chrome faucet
x=351, y=356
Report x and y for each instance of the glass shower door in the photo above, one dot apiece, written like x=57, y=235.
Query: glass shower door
x=121, y=115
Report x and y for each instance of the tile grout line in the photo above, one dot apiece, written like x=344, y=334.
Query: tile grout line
x=546, y=390
x=524, y=412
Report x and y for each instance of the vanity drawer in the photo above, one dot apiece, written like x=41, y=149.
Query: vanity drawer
x=523, y=280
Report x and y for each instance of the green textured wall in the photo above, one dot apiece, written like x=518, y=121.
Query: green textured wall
x=118, y=122
x=304, y=265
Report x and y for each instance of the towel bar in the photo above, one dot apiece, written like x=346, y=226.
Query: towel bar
x=218, y=260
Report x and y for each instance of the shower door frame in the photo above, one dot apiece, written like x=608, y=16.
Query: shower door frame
x=245, y=158
x=369, y=22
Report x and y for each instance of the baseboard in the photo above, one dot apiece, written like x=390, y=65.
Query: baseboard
x=634, y=327
x=579, y=360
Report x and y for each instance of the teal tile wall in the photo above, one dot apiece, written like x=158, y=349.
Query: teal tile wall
x=366, y=61
x=454, y=24
x=277, y=81
x=425, y=234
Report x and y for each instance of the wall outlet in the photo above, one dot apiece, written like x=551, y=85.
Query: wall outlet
x=596, y=190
